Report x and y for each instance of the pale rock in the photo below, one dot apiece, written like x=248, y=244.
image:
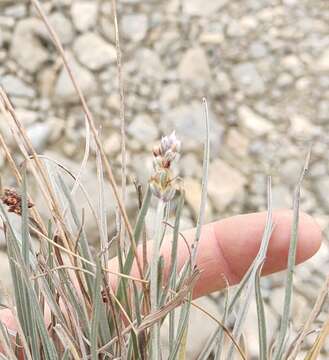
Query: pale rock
x=169, y=95
x=84, y=14
x=223, y=84
x=211, y=38
x=300, y=125
x=46, y=79
x=202, y=8
x=241, y=27
x=26, y=47
x=285, y=79
x=194, y=67
x=201, y=328
x=64, y=90
x=93, y=51
x=39, y=133
x=149, y=64
x=26, y=116
x=226, y=185
x=131, y=2
x=322, y=63
x=17, y=87
x=258, y=50
x=57, y=126
x=281, y=197
x=303, y=84
x=189, y=123
x=112, y=144
x=237, y=142
x=113, y=102
x=293, y=64
x=192, y=189
x=248, y=79
x=143, y=129
x=134, y=26
x=63, y=27
x=253, y=123
x=323, y=111
x=5, y=131
x=321, y=187
x=290, y=171
x=142, y=165
x=16, y=11
x=190, y=166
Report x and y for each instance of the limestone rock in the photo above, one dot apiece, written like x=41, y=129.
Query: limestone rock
x=226, y=184
x=194, y=67
x=188, y=121
x=322, y=64
x=134, y=26
x=64, y=90
x=39, y=134
x=26, y=47
x=202, y=8
x=253, y=123
x=84, y=14
x=143, y=129
x=17, y=87
x=248, y=79
x=93, y=51
x=192, y=189
x=63, y=27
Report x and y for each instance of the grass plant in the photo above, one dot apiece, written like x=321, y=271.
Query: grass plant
x=70, y=303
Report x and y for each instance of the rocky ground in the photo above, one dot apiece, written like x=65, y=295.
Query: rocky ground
x=263, y=66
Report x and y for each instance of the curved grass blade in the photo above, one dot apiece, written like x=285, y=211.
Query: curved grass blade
x=314, y=352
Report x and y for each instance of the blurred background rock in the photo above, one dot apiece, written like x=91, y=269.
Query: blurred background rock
x=262, y=65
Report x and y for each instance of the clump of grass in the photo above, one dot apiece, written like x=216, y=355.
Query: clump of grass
x=73, y=303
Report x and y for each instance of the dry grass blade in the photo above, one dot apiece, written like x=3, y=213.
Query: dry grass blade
x=205, y=170
x=122, y=116
x=128, y=277
x=319, y=342
x=323, y=295
x=225, y=329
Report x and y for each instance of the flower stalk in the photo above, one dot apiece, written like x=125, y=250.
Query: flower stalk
x=163, y=186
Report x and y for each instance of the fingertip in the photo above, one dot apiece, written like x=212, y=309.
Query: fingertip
x=310, y=237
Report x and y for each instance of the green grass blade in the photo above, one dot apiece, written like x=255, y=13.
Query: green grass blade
x=36, y=314
x=102, y=210
x=279, y=349
x=220, y=338
x=205, y=171
x=83, y=243
x=181, y=328
x=31, y=325
x=243, y=310
x=173, y=267
x=137, y=234
x=96, y=313
x=262, y=334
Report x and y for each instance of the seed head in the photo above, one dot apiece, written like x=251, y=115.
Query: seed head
x=162, y=183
